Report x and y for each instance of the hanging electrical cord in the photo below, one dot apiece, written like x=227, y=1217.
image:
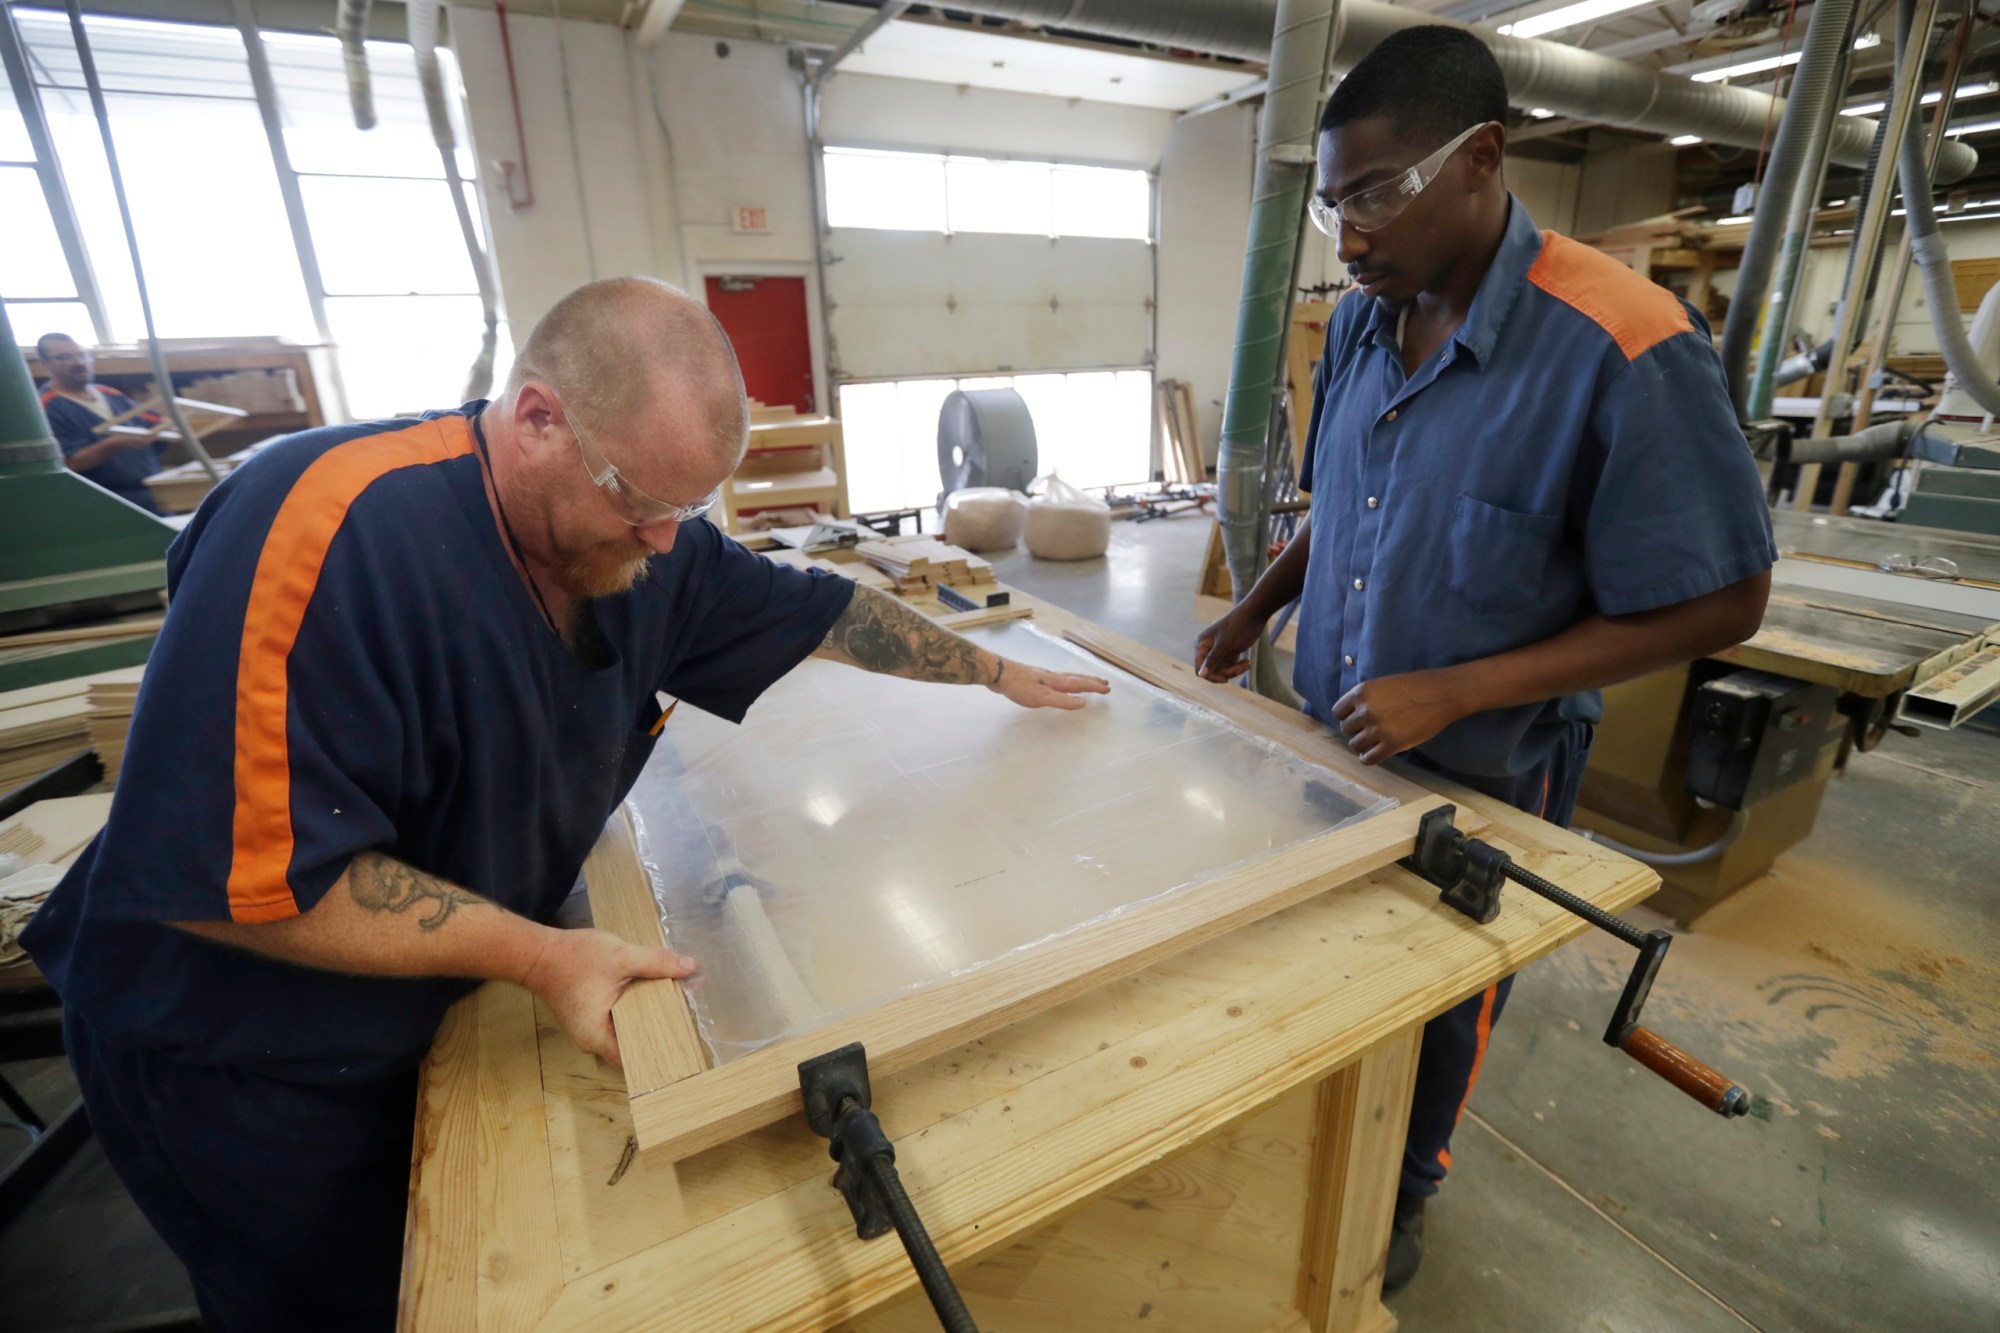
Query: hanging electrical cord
x=161, y=378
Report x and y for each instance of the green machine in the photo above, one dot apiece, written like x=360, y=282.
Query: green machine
x=72, y=554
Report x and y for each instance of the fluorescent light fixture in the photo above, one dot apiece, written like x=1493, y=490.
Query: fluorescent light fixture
x=1684, y=140
x=1767, y=63
x=1969, y=217
x=1732, y=222
x=1540, y=112
x=1585, y=11
x=1929, y=99
x=1971, y=127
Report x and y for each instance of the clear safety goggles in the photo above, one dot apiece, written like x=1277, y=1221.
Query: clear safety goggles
x=1379, y=205
x=632, y=504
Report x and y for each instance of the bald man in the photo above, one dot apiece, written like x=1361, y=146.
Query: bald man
x=409, y=669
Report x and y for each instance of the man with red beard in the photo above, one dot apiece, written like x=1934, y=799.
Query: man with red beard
x=409, y=669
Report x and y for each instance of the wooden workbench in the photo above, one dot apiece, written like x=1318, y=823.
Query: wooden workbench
x=1212, y=1143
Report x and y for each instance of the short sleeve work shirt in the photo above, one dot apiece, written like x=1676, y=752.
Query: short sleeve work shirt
x=1570, y=451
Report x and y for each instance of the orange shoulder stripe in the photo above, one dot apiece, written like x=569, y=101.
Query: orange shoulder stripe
x=49, y=396
x=287, y=573
x=1637, y=312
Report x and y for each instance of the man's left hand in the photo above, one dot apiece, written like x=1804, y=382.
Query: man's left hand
x=1392, y=714
x=1032, y=687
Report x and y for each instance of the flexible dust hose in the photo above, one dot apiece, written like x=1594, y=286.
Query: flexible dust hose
x=1301, y=46
x=1927, y=247
x=1867, y=445
x=1798, y=237
x=1737, y=823
x=350, y=23
x=1812, y=87
x=422, y=21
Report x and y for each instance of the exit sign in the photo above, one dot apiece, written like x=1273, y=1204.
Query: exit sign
x=744, y=217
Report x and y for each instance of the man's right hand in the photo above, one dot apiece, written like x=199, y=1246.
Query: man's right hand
x=1221, y=652
x=581, y=973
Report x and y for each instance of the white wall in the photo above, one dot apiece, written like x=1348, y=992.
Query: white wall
x=1205, y=175
x=1915, y=336
x=862, y=111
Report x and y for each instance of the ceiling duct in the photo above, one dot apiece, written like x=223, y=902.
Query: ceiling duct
x=1542, y=74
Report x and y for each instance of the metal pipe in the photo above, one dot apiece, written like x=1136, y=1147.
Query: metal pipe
x=48, y=170
x=1813, y=87
x=1927, y=245
x=162, y=380
x=350, y=24
x=1564, y=79
x=422, y=17
x=1912, y=33
x=1870, y=444
x=526, y=199
x=1798, y=242
x=1301, y=47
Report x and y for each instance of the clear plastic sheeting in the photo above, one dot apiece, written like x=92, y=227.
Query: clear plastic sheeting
x=862, y=836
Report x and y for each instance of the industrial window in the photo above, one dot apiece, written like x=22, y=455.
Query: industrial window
x=400, y=297
x=949, y=193
x=1092, y=426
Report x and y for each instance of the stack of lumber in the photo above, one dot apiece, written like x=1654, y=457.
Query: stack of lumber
x=921, y=564
x=45, y=725
x=1180, y=438
x=112, y=696
x=40, y=733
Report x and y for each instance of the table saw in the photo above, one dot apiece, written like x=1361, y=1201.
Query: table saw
x=1211, y=1141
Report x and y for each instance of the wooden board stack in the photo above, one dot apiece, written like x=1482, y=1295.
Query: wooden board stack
x=919, y=565
x=44, y=725
x=112, y=696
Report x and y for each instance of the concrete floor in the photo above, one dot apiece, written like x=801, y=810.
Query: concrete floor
x=1856, y=989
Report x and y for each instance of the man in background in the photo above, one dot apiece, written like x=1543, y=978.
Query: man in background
x=78, y=409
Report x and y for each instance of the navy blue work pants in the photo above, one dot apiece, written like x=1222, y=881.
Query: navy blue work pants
x=285, y=1200
x=1454, y=1044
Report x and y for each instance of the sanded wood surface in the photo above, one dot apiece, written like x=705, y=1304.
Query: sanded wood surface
x=1359, y=1119
x=657, y=1039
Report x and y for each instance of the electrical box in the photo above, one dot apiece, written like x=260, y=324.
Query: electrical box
x=1751, y=734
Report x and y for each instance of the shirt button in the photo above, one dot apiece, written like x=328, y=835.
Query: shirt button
x=1359, y=584
x=1391, y=416
x=1348, y=660
x=1374, y=503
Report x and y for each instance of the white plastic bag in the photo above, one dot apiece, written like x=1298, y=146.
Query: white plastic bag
x=985, y=518
x=1065, y=523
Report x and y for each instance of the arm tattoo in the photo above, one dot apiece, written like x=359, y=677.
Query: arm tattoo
x=878, y=633
x=381, y=884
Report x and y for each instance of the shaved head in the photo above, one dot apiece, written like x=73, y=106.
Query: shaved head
x=629, y=353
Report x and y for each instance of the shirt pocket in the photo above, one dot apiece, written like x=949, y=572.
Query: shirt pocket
x=1499, y=557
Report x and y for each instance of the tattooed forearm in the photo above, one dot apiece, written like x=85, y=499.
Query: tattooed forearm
x=382, y=884
x=878, y=633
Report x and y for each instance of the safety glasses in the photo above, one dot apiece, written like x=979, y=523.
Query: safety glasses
x=632, y=504
x=1379, y=205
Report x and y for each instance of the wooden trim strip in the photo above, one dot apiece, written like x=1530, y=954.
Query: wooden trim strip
x=657, y=1038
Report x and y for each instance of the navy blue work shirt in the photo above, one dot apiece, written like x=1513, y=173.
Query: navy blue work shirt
x=123, y=474
x=1570, y=451
x=350, y=663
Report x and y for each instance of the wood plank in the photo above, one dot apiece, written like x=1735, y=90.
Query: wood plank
x=762, y=1087
x=1362, y=1114
x=657, y=1038
x=117, y=629
x=59, y=828
x=519, y=1273
x=440, y=1232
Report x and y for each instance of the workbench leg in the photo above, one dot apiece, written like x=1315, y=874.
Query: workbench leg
x=1360, y=1118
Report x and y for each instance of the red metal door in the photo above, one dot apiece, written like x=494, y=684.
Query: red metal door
x=765, y=319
